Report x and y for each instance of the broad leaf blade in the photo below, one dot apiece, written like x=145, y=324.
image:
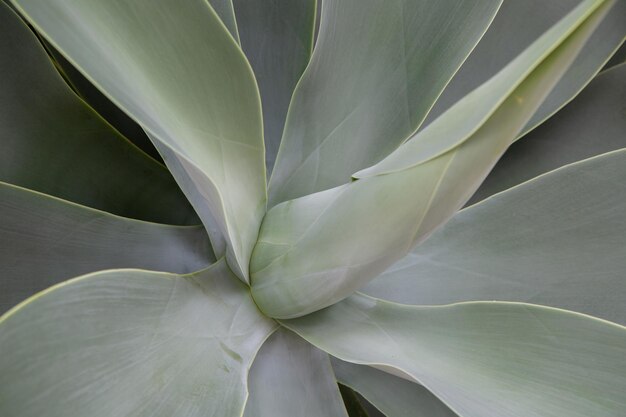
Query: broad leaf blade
x=518, y=24
x=359, y=229
x=395, y=397
x=45, y=240
x=177, y=71
x=101, y=104
x=558, y=240
x=592, y=124
x=54, y=143
x=292, y=378
x=277, y=38
x=484, y=359
x=128, y=342
x=377, y=69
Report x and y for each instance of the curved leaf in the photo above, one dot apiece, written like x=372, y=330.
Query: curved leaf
x=53, y=143
x=377, y=69
x=359, y=229
x=354, y=405
x=277, y=38
x=175, y=69
x=590, y=125
x=292, y=378
x=483, y=359
x=516, y=25
x=618, y=58
x=44, y=240
x=395, y=397
x=226, y=13
x=128, y=342
x=558, y=240
x=101, y=104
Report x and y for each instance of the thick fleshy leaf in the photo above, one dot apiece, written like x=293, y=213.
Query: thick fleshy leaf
x=101, y=104
x=292, y=378
x=592, y=124
x=517, y=25
x=175, y=69
x=129, y=342
x=52, y=142
x=483, y=359
x=277, y=38
x=357, y=406
x=226, y=13
x=45, y=240
x=618, y=58
x=357, y=230
x=558, y=240
x=377, y=69
x=394, y=396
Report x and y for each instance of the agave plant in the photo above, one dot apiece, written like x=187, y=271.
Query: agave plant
x=312, y=230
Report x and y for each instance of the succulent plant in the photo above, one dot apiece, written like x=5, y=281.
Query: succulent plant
x=227, y=207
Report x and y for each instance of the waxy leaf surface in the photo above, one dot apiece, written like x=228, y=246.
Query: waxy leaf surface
x=176, y=70
x=129, y=342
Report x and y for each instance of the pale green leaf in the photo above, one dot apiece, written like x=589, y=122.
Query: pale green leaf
x=483, y=359
x=358, y=230
x=377, y=68
x=618, y=58
x=557, y=240
x=517, y=25
x=394, y=396
x=292, y=378
x=101, y=104
x=357, y=406
x=516, y=90
x=226, y=13
x=132, y=343
x=277, y=38
x=53, y=143
x=592, y=124
x=176, y=70
x=45, y=240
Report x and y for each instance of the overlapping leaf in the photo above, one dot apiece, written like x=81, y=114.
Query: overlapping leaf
x=359, y=229
x=44, y=240
x=292, y=378
x=177, y=71
x=483, y=359
x=376, y=71
x=590, y=125
x=226, y=12
x=394, y=396
x=516, y=25
x=53, y=143
x=558, y=240
x=277, y=38
x=129, y=342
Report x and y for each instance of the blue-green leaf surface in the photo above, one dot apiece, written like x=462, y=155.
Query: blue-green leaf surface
x=132, y=343
x=483, y=359
x=315, y=250
x=176, y=70
x=592, y=124
x=557, y=240
x=377, y=68
x=226, y=13
x=54, y=143
x=277, y=38
x=45, y=240
x=517, y=25
x=394, y=396
x=292, y=378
